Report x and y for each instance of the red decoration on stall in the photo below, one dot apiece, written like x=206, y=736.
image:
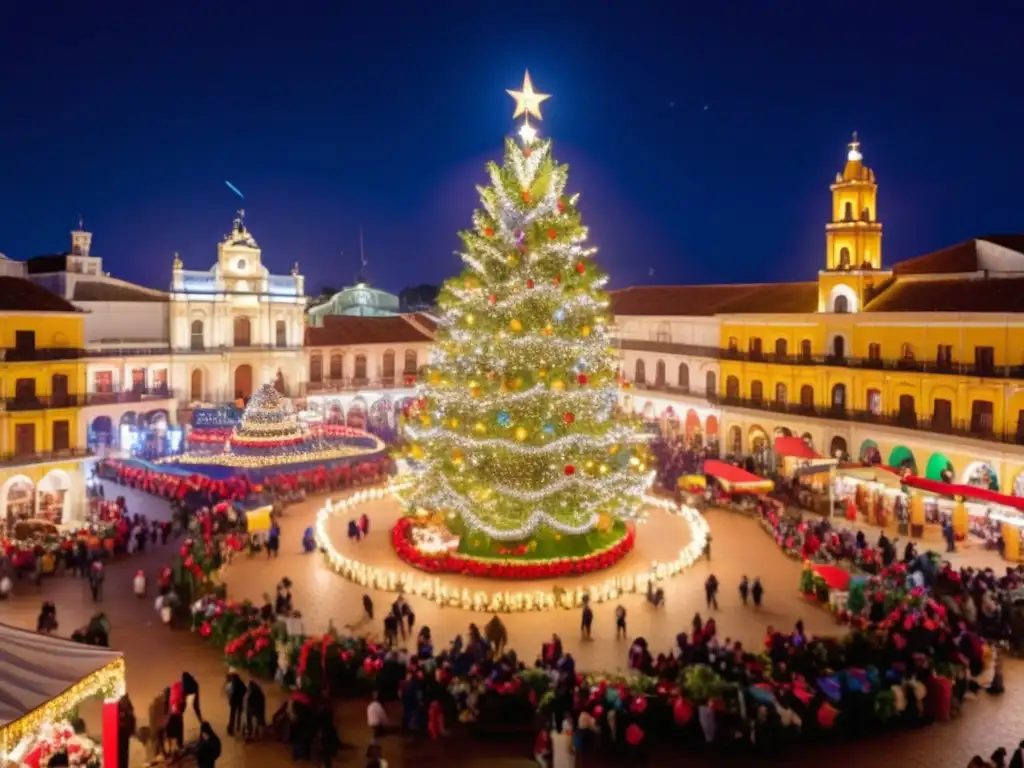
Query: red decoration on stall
x=111, y=723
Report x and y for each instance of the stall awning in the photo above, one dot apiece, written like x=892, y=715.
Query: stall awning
x=983, y=495
x=736, y=480
x=870, y=475
x=36, y=669
x=814, y=469
x=794, y=447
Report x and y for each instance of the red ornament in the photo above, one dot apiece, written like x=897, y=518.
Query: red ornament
x=570, y=470
x=561, y=206
x=492, y=298
x=568, y=417
x=552, y=233
x=488, y=232
x=526, y=195
x=529, y=283
x=557, y=279
x=581, y=268
x=582, y=379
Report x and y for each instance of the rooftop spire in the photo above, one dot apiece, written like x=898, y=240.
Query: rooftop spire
x=854, y=155
x=361, y=276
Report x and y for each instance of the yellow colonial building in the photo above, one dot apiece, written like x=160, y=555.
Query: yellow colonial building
x=42, y=381
x=918, y=365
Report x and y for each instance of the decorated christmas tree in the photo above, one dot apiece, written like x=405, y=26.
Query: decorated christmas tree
x=516, y=436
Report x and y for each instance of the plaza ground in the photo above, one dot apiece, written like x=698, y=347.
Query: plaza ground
x=156, y=655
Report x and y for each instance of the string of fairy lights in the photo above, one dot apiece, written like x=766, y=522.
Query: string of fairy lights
x=443, y=593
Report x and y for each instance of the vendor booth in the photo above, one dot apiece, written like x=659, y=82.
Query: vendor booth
x=733, y=481
x=43, y=679
x=872, y=495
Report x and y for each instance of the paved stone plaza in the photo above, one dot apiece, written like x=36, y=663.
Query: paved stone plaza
x=156, y=655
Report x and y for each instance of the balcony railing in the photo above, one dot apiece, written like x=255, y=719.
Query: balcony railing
x=38, y=355
x=42, y=402
x=353, y=384
x=130, y=396
x=117, y=351
x=15, y=459
x=942, y=367
x=899, y=419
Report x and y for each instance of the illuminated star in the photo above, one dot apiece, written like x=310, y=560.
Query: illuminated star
x=528, y=101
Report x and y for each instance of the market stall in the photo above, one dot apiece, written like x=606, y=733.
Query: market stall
x=873, y=494
x=43, y=679
x=734, y=481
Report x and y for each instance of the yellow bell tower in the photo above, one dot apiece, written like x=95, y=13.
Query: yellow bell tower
x=854, y=236
x=853, y=239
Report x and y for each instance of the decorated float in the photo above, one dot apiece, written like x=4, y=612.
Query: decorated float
x=271, y=439
x=43, y=680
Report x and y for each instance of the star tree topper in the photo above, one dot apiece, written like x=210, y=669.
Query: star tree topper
x=528, y=103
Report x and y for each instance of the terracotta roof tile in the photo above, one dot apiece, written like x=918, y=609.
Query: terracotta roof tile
x=962, y=257
x=952, y=295
x=707, y=300
x=340, y=330
x=98, y=291
x=20, y=295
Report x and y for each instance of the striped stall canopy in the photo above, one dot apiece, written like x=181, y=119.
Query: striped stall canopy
x=37, y=669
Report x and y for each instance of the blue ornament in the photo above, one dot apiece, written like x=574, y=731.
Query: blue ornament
x=559, y=314
x=504, y=419
x=549, y=429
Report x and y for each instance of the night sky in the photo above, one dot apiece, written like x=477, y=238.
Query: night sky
x=702, y=139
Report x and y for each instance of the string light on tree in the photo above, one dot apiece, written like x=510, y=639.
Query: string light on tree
x=522, y=383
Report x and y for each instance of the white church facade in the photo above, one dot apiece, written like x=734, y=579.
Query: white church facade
x=236, y=326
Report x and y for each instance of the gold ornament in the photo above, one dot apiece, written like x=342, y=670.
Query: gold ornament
x=435, y=378
x=585, y=330
x=513, y=260
x=479, y=427
x=548, y=330
x=542, y=373
x=558, y=385
x=613, y=449
x=528, y=101
x=521, y=434
x=416, y=452
x=470, y=319
x=516, y=325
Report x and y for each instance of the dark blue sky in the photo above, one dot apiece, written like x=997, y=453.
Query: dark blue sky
x=331, y=114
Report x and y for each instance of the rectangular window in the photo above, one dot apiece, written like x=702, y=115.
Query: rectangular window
x=944, y=356
x=981, y=417
x=160, y=380
x=61, y=436
x=24, y=440
x=25, y=390
x=985, y=360
x=138, y=379
x=875, y=352
x=874, y=402
x=942, y=414
x=103, y=382
x=25, y=341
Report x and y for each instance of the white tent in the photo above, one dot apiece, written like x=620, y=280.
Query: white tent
x=43, y=677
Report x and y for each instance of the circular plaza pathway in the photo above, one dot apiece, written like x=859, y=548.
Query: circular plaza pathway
x=156, y=655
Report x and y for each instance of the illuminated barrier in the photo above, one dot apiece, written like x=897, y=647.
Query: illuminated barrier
x=434, y=588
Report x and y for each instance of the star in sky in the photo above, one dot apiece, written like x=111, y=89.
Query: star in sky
x=528, y=101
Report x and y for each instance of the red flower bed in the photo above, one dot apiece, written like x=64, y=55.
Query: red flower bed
x=507, y=569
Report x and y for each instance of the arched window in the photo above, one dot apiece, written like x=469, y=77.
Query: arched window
x=710, y=383
x=735, y=439
x=360, y=372
x=781, y=349
x=337, y=369
x=807, y=397
x=683, y=378
x=388, y=365
x=411, y=362
x=640, y=375
x=756, y=391
x=844, y=257
x=734, y=344
x=841, y=305
x=907, y=352
x=659, y=374
x=316, y=369
x=874, y=401
x=780, y=393
x=848, y=211
x=281, y=333
x=805, y=349
x=839, y=397
x=197, y=341
x=243, y=331
x=755, y=347
x=732, y=387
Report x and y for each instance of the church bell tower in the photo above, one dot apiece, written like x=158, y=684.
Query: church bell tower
x=853, y=239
